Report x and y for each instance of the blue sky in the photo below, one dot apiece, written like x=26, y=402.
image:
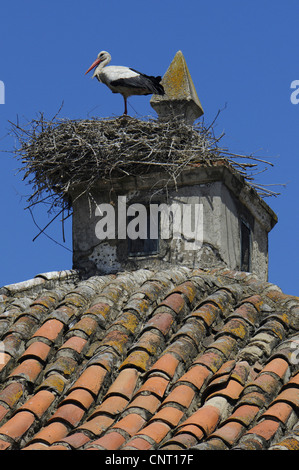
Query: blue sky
x=242, y=55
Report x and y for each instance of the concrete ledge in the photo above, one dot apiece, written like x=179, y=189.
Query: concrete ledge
x=195, y=175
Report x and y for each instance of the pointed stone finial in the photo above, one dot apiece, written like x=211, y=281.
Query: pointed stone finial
x=180, y=99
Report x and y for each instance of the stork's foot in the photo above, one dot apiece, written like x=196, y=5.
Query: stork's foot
x=125, y=113
x=124, y=118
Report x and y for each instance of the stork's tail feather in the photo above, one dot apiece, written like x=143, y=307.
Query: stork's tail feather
x=159, y=90
x=153, y=83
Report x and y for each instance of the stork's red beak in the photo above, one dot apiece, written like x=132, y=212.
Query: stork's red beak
x=95, y=63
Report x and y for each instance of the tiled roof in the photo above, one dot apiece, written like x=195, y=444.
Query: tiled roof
x=172, y=360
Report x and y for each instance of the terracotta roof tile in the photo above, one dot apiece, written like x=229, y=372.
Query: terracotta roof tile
x=193, y=330
x=53, y=382
x=166, y=364
x=11, y=394
x=231, y=391
x=265, y=429
x=265, y=382
x=13, y=345
x=229, y=432
x=237, y=328
x=130, y=423
x=97, y=425
x=188, y=289
x=139, y=359
x=179, y=442
x=277, y=366
x=4, y=445
x=128, y=321
x=290, y=443
x=290, y=396
x=69, y=413
x=79, y=397
x=183, y=348
x=221, y=298
x=251, y=442
x=77, y=440
x=49, y=330
x=100, y=311
x=190, y=429
x=50, y=433
x=253, y=398
x=207, y=313
x=37, y=350
x=196, y=376
x=247, y=312
x=28, y=370
x=171, y=359
x=223, y=372
x=181, y=394
x=155, y=385
x=5, y=360
x=225, y=345
x=91, y=379
x=111, y=441
x=124, y=384
x=206, y=418
x=63, y=365
x=212, y=444
x=112, y=406
x=155, y=431
x=244, y=414
x=3, y=412
x=75, y=344
x=18, y=425
x=280, y=411
x=145, y=402
x=175, y=302
x=39, y=403
x=138, y=443
x=151, y=341
x=104, y=358
x=170, y=415
x=37, y=446
x=211, y=359
x=161, y=320
x=274, y=327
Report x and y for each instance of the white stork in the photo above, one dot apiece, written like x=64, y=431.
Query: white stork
x=124, y=80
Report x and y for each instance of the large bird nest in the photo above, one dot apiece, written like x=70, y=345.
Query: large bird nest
x=58, y=155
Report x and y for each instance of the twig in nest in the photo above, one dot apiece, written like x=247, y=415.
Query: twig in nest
x=43, y=231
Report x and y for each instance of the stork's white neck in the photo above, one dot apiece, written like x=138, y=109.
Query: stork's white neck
x=102, y=64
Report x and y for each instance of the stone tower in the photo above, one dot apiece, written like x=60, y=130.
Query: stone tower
x=208, y=217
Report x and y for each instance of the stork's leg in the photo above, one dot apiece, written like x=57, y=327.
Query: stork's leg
x=126, y=108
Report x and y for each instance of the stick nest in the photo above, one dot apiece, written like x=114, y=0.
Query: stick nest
x=58, y=155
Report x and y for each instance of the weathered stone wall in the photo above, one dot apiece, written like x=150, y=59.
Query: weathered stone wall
x=223, y=198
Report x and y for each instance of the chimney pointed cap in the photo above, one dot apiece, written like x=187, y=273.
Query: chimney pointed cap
x=180, y=100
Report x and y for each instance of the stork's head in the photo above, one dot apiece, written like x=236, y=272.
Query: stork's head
x=103, y=58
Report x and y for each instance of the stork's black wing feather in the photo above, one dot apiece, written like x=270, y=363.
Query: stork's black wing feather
x=142, y=81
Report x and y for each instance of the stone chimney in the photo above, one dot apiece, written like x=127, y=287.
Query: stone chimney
x=208, y=217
